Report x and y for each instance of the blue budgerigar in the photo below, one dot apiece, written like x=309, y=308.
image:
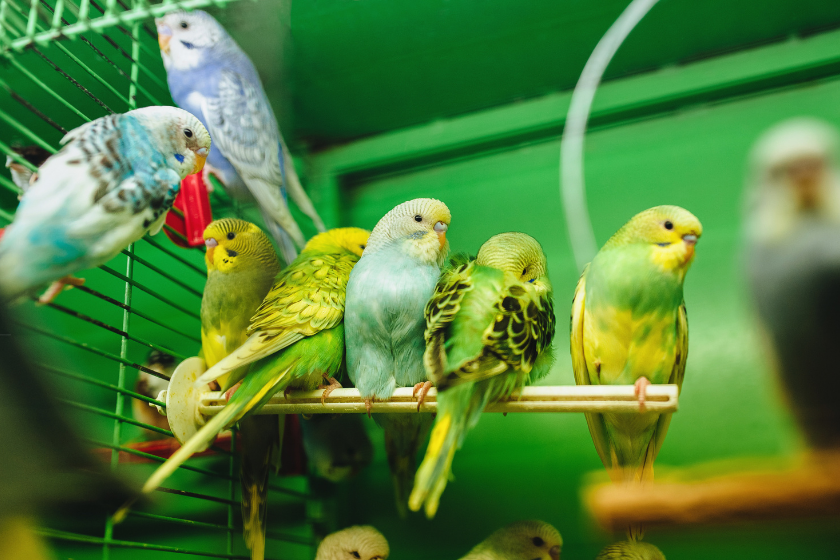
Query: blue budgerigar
x=212, y=77
x=384, y=322
x=111, y=183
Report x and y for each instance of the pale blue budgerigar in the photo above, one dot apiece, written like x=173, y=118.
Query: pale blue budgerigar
x=212, y=77
x=111, y=183
x=337, y=446
x=384, y=323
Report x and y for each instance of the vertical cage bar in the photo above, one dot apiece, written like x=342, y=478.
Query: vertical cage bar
x=32, y=19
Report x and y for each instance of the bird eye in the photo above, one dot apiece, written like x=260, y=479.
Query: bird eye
x=524, y=271
x=418, y=218
x=188, y=133
x=184, y=25
x=669, y=224
x=355, y=554
x=231, y=235
x=362, y=246
x=538, y=541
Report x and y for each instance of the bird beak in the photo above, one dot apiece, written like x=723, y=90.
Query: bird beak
x=555, y=552
x=690, y=239
x=200, y=158
x=211, y=245
x=164, y=36
x=440, y=229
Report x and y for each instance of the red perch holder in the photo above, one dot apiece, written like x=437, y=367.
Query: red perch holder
x=190, y=214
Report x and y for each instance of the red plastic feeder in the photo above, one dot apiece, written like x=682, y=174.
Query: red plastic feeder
x=190, y=214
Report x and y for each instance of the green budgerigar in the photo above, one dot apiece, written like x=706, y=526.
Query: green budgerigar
x=629, y=326
x=630, y=550
x=386, y=296
x=489, y=327
x=296, y=340
x=523, y=540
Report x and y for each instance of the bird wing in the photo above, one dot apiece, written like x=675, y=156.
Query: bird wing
x=597, y=427
x=307, y=298
x=243, y=126
x=440, y=311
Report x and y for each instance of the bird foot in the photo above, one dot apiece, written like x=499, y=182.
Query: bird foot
x=58, y=286
x=421, y=389
x=286, y=392
x=229, y=393
x=368, y=405
x=332, y=384
x=641, y=386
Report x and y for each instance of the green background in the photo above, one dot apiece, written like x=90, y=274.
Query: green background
x=464, y=101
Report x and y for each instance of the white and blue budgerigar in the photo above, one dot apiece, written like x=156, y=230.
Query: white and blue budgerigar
x=111, y=183
x=210, y=76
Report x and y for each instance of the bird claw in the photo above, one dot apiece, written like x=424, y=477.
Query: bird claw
x=332, y=384
x=286, y=392
x=58, y=286
x=640, y=387
x=368, y=405
x=423, y=390
x=229, y=393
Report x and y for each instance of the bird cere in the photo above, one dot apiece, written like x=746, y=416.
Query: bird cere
x=396, y=345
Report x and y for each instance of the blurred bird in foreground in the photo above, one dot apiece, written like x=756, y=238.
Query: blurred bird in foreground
x=151, y=386
x=386, y=296
x=630, y=550
x=111, y=183
x=47, y=469
x=523, y=540
x=212, y=77
x=629, y=327
x=792, y=221
x=337, y=446
x=489, y=327
x=361, y=542
x=23, y=176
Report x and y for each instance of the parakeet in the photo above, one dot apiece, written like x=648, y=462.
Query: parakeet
x=630, y=550
x=151, y=386
x=296, y=341
x=629, y=327
x=210, y=76
x=354, y=543
x=22, y=176
x=523, y=540
x=113, y=181
x=386, y=295
x=337, y=446
x=241, y=267
x=792, y=220
x=489, y=327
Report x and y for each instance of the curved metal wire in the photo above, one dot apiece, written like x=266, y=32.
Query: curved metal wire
x=572, y=186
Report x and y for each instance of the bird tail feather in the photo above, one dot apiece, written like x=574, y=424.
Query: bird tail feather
x=295, y=190
x=260, y=437
x=403, y=437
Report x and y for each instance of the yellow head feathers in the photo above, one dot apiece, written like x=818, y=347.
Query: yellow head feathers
x=233, y=244
x=671, y=231
x=351, y=239
x=516, y=253
x=423, y=221
x=361, y=542
x=523, y=540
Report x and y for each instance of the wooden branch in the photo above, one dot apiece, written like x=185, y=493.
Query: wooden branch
x=809, y=490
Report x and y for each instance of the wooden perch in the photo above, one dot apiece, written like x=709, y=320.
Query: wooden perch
x=809, y=490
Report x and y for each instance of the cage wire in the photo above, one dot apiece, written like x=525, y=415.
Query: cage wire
x=64, y=64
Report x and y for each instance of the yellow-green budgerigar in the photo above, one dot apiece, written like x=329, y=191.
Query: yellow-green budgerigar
x=361, y=542
x=241, y=266
x=523, y=540
x=630, y=550
x=295, y=340
x=489, y=327
x=629, y=326
x=386, y=296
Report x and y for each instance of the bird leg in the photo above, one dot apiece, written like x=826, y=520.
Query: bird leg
x=640, y=388
x=422, y=389
x=368, y=405
x=57, y=287
x=331, y=385
x=229, y=393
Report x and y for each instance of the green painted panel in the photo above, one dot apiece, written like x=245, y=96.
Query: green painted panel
x=532, y=466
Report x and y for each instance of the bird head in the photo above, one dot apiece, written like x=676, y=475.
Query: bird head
x=795, y=175
x=630, y=550
x=421, y=224
x=184, y=37
x=361, y=542
x=525, y=540
x=234, y=245
x=182, y=138
x=518, y=254
x=22, y=174
x=349, y=239
x=670, y=232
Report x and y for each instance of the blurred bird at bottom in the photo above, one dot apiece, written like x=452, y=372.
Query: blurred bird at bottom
x=337, y=447
x=630, y=550
x=151, y=386
x=792, y=253
x=523, y=540
x=361, y=542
